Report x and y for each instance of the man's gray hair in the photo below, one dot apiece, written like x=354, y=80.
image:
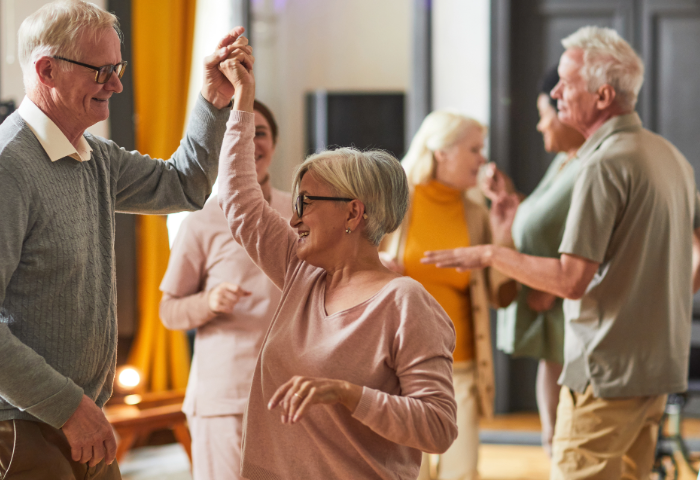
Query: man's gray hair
x=608, y=58
x=56, y=28
x=374, y=177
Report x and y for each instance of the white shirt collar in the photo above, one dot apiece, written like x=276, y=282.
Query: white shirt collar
x=55, y=143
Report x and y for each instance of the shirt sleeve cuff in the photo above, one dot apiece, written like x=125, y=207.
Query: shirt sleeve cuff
x=365, y=407
x=59, y=407
x=207, y=114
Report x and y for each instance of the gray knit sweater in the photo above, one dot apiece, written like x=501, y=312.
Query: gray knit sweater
x=58, y=326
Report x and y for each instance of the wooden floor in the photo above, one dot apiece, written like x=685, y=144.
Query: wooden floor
x=514, y=462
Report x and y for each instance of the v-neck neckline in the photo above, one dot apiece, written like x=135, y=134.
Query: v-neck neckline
x=322, y=303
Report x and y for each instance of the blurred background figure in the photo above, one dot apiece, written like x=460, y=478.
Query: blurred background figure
x=442, y=163
x=212, y=285
x=533, y=325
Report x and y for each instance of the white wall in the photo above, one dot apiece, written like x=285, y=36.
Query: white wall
x=303, y=45
x=461, y=56
x=12, y=13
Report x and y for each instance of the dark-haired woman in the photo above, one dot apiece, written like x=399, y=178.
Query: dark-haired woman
x=533, y=325
x=212, y=285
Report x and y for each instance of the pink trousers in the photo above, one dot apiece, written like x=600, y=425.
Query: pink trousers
x=216, y=447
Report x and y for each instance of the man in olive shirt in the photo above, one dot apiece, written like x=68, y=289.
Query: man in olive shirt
x=627, y=267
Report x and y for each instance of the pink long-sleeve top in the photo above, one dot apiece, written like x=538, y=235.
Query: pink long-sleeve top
x=226, y=346
x=397, y=345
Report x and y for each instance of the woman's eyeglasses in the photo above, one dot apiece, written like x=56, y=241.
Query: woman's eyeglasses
x=103, y=73
x=299, y=203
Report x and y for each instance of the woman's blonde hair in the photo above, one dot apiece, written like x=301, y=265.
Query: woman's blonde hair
x=440, y=129
x=56, y=28
x=374, y=177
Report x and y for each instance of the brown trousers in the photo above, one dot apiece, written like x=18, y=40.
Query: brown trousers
x=605, y=438
x=37, y=451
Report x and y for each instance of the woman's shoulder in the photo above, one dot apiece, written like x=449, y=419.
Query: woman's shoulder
x=406, y=291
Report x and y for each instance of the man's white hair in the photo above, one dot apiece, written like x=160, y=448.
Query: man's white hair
x=608, y=58
x=56, y=28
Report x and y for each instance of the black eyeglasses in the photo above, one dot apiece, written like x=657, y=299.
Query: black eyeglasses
x=299, y=203
x=103, y=73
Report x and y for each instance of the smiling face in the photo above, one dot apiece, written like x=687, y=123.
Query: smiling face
x=557, y=136
x=322, y=226
x=577, y=106
x=458, y=166
x=264, y=146
x=81, y=101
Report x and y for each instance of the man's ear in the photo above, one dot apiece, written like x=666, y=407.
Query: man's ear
x=606, y=96
x=45, y=69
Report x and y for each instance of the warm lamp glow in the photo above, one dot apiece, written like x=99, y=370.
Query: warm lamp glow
x=132, y=399
x=129, y=378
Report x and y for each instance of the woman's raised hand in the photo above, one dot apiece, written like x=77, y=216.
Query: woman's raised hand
x=299, y=393
x=238, y=69
x=501, y=217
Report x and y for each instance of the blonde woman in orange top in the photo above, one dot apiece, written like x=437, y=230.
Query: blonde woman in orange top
x=442, y=164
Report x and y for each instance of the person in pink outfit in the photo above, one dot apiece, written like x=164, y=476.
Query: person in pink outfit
x=354, y=378
x=212, y=285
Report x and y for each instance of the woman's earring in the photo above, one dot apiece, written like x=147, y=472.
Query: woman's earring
x=347, y=230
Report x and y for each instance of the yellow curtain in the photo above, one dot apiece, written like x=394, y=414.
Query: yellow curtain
x=162, y=50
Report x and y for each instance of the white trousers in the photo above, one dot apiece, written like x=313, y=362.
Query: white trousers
x=216, y=447
x=459, y=462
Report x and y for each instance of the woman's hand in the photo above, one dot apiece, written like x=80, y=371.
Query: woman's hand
x=495, y=183
x=299, y=393
x=217, y=89
x=225, y=296
x=540, y=301
x=238, y=69
x=463, y=259
x=501, y=216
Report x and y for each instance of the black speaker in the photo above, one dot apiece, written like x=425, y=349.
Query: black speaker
x=367, y=121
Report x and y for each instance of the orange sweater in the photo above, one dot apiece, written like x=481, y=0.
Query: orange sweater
x=437, y=222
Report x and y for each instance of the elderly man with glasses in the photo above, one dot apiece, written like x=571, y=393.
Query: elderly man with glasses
x=59, y=190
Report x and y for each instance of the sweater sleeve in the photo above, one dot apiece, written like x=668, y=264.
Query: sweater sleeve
x=146, y=185
x=187, y=312
x=185, y=304
x=424, y=415
x=257, y=227
x=26, y=380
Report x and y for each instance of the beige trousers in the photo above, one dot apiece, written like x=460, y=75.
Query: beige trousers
x=605, y=439
x=216, y=447
x=459, y=462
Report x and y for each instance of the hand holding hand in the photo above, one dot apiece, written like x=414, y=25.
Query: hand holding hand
x=299, y=393
x=540, y=301
x=217, y=89
x=90, y=435
x=225, y=296
x=463, y=259
x=238, y=69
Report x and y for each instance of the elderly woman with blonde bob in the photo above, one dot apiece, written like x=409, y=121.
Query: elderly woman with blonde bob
x=442, y=164
x=354, y=376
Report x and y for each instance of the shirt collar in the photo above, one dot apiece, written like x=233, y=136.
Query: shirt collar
x=55, y=143
x=630, y=121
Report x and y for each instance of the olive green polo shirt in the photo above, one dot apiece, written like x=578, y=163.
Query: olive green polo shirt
x=633, y=210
